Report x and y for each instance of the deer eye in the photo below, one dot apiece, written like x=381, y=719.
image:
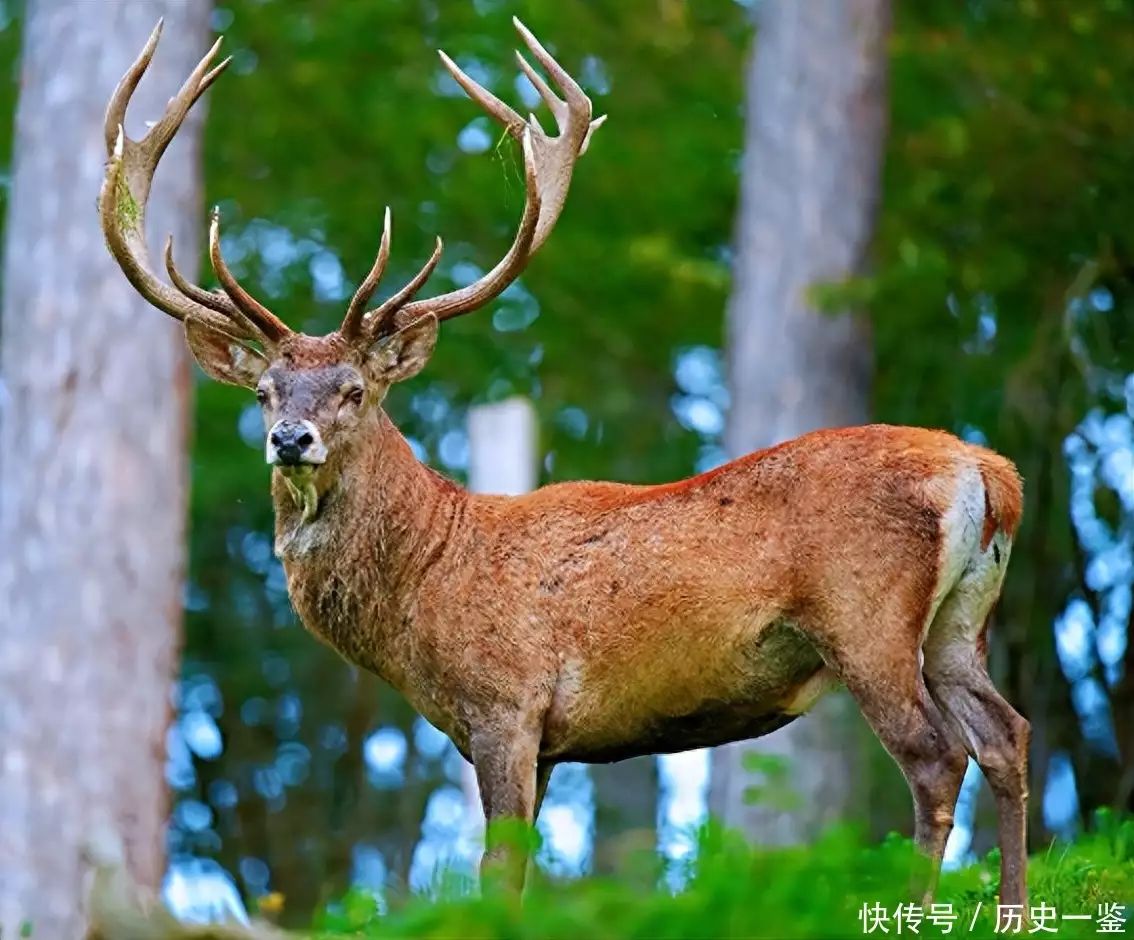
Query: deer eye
x=354, y=394
x=262, y=396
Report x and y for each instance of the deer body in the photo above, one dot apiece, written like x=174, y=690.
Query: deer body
x=641, y=619
x=596, y=621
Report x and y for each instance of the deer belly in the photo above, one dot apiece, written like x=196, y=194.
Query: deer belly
x=696, y=698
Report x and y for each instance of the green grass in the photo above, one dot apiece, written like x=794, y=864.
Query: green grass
x=734, y=890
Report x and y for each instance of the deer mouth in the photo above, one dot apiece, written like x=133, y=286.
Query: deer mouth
x=300, y=480
x=301, y=472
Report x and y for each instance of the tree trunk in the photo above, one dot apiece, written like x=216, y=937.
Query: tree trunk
x=92, y=508
x=813, y=150
x=626, y=811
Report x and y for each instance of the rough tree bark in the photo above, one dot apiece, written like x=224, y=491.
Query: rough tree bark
x=94, y=394
x=816, y=124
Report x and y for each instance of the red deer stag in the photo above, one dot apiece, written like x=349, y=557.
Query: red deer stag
x=596, y=621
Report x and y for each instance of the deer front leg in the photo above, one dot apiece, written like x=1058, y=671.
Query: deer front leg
x=505, y=756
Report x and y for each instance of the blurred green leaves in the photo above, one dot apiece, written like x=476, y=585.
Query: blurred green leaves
x=734, y=890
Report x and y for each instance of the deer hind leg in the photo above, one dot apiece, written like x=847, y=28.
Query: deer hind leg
x=543, y=778
x=992, y=731
x=885, y=680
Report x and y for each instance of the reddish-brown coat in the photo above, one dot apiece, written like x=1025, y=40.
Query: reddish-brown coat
x=595, y=620
x=1003, y=496
x=641, y=594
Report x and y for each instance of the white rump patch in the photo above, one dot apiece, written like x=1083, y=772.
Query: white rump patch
x=961, y=527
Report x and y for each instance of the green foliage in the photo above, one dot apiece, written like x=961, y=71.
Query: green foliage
x=10, y=10
x=1003, y=295
x=775, y=789
x=736, y=891
x=1003, y=179
x=355, y=911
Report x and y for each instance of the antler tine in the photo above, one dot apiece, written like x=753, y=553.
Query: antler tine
x=218, y=302
x=271, y=326
x=381, y=320
x=573, y=118
x=548, y=165
x=352, y=322
x=566, y=117
x=486, y=99
x=555, y=104
x=120, y=99
x=477, y=294
x=125, y=191
x=157, y=138
x=572, y=91
x=212, y=76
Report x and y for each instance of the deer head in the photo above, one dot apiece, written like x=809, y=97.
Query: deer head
x=316, y=391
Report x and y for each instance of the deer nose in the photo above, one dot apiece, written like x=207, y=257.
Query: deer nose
x=292, y=443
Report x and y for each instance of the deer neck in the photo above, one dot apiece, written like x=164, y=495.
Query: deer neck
x=382, y=520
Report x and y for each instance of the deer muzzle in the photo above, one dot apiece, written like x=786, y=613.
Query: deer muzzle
x=294, y=443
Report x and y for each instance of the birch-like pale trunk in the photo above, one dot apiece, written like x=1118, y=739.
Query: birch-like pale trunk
x=94, y=396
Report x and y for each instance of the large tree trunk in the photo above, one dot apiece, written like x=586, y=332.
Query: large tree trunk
x=92, y=507
x=816, y=124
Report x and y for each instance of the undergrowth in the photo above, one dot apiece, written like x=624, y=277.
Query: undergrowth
x=837, y=888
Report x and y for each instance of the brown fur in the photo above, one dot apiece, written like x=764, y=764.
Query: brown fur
x=594, y=621
x=1002, y=493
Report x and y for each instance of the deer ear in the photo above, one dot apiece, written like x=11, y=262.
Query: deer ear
x=404, y=354
x=224, y=357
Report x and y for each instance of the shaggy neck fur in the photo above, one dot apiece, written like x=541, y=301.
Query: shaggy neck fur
x=355, y=570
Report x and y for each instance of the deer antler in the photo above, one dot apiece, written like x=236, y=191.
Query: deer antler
x=353, y=323
x=548, y=165
x=122, y=209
